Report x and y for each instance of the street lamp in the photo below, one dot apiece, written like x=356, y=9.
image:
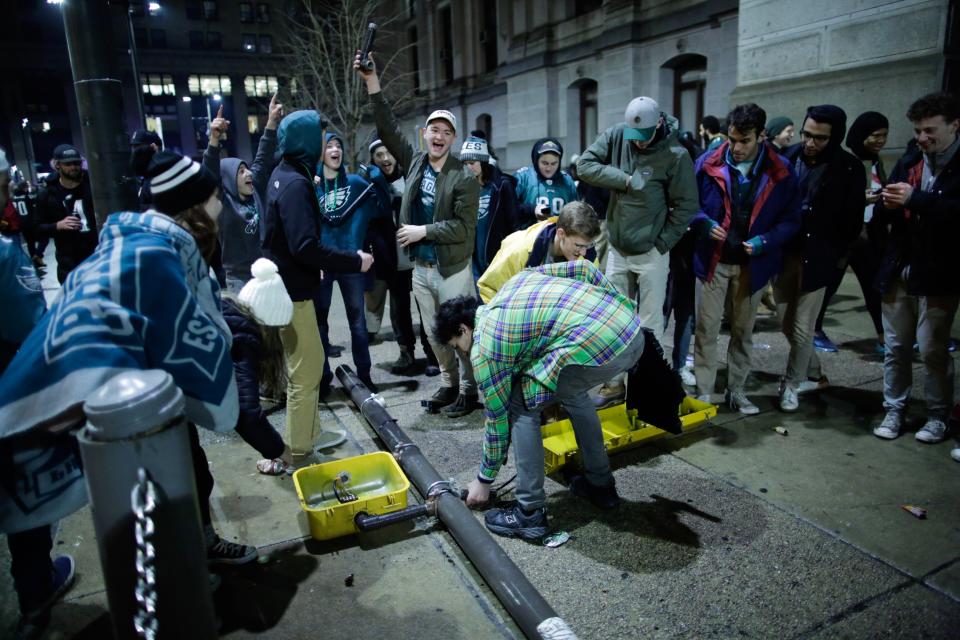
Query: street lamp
x=136, y=65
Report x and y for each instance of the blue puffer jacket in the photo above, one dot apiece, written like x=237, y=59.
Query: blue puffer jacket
x=775, y=216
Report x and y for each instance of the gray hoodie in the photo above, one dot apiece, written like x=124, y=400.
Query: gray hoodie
x=241, y=221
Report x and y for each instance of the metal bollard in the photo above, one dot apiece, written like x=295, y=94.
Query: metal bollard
x=136, y=422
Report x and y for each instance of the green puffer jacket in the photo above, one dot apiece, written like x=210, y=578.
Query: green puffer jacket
x=662, y=198
x=458, y=195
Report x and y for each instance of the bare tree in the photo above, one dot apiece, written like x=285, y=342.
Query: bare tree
x=321, y=41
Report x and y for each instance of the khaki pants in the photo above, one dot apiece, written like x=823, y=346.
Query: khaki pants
x=431, y=290
x=642, y=278
x=304, y=356
x=734, y=279
x=602, y=245
x=374, y=302
x=798, y=311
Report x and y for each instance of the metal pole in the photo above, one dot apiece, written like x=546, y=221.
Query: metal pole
x=136, y=422
x=535, y=617
x=100, y=104
x=135, y=63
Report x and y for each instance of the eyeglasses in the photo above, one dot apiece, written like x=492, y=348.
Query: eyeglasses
x=583, y=247
x=806, y=135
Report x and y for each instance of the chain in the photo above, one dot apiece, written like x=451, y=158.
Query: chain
x=143, y=502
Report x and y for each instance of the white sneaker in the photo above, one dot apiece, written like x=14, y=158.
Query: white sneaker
x=933, y=432
x=955, y=454
x=890, y=427
x=687, y=377
x=789, y=401
x=738, y=401
x=812, y=385
x=706, y=397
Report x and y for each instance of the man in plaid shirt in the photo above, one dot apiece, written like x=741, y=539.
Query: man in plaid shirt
x=549, y=335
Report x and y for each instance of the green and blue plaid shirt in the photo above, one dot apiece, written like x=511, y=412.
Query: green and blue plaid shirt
x=542, y=320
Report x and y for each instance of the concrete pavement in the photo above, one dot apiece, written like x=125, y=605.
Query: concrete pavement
x=730, y=531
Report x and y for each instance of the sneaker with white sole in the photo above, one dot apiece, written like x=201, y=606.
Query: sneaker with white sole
x=610, y=394
x=687, y=377
x=933, y=432
x=738, y=401
x=890, y=427
x=705, y=397
x=955, y=454
x=230, y=553
x=789, y=401
x=813, y=385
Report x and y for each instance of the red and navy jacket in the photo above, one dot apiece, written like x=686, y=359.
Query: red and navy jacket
x=775, y=215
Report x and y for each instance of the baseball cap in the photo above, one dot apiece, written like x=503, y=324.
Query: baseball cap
x=66, y=153
x=549, y=145
x=443, y=114
x=142, y=136
x=642, y=117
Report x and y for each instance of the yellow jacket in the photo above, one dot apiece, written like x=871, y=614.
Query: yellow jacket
x=528, y=247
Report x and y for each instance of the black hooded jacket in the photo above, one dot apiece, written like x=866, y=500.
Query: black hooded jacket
x=832, y=216
x=54, y=203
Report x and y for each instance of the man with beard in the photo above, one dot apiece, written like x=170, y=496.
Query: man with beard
x=832, y=194
x=65, y=210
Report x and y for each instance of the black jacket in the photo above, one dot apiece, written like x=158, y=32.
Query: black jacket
x=292, y=233
x=923, y=236
x=503, y=211
x=72, y=247
x=832, y=220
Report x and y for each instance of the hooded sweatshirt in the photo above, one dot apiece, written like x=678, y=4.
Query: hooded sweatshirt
x=860, y=130
x=347, y=203
x=292, y=221
x=240, y=222
x=533, y=190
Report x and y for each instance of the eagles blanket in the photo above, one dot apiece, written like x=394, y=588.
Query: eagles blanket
x=143, y=300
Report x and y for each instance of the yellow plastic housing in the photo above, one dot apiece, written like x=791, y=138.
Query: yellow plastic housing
x=375, y=478
x=621, y=430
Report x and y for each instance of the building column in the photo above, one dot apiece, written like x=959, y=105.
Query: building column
x=188, y=141
x=239, y=97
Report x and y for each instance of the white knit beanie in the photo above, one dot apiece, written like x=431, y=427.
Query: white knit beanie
x=266, y=296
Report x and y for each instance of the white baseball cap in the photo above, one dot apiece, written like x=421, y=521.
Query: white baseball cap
x=642, y=117
x=443, y=114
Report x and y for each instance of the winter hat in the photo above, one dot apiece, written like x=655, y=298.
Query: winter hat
x=266, y=296
x=376, y=144
x=642, y=117
x=860, y=130
x=4, y=163
x=443, y=114
x=177, y=183
x=142, y=136
x=474, y=149
x=776, y=126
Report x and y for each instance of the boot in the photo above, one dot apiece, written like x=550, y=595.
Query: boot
x=404, y=363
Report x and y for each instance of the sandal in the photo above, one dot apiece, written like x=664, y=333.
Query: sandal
x=274, y=467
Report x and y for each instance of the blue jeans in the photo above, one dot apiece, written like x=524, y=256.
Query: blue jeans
x=352, y=286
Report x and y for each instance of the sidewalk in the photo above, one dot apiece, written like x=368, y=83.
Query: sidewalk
x=730, y=531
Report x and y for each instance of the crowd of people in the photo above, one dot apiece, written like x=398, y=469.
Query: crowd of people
x=529, y=289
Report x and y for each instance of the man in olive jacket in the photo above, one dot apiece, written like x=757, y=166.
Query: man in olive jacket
x=438, y=222
x=653, y=197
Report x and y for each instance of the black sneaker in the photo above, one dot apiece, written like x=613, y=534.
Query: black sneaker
x=64, y=571
x=223, y=552
x=464, y=405
x=368, y=383
x=404, y=363
x=513, y=522
x=444, y=396
x=600, y=497
x=432, y=370
x=334, y=351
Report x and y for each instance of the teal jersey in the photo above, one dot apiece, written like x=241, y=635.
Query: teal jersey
x=554, y=193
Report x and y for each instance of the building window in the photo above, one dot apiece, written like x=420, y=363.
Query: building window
x=266, y=44
x=488, y=37
x=446, y=43
x=260, y=86
x=153, y=8
x=193, y=9
x=158, y=38
x=210, y=10
x=581, y=7
x=140, y=37
x=484, y=123
x=263, y=13
x=214, y=40
x=209, y=85
x=588, y=113
x=136, y=9
x=157, y=84
x=196, y=39
x=246, y=12
x=414, y=57
x=253, y=124
x=249, y=43
x=689, y=83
